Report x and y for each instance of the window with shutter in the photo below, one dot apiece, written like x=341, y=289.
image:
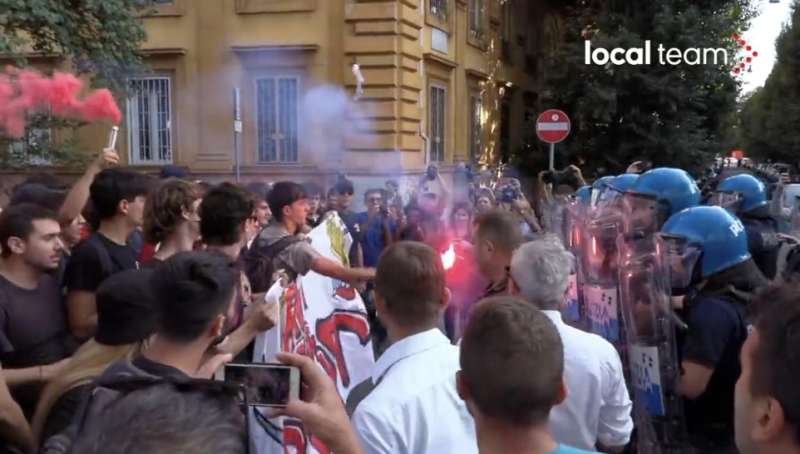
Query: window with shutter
x=476, y=105
x=438, y=123
x=277, y=119
x=149, y=119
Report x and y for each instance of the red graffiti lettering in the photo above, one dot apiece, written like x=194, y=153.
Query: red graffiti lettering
x=329, y=331
x=294, y=436
x=324, y=346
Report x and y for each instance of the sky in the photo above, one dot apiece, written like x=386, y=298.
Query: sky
x=762, y=34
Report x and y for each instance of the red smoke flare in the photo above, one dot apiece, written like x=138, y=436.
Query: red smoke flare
x=25, y=91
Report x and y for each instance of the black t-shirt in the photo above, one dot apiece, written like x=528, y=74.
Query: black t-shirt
x=717, y=330
x=33, y=325
x=87, y=269
x=33, y=331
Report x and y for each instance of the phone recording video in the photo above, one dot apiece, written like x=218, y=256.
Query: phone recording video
x=265, y=385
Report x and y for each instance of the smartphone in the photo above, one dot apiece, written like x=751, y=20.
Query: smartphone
x=265, y=384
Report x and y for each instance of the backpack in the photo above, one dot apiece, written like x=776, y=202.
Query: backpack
x=259, y=261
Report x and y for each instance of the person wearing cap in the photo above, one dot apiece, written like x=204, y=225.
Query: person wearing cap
x=126, y=318
x=344, y=190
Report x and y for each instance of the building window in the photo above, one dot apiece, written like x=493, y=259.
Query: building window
x=476, y=19
x=438, y=122
x=475, y=126
x=150, y=121
x=277, y=118
x=438, y=9
x=32, y=149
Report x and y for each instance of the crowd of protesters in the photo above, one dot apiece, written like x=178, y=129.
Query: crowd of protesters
x=122, y=295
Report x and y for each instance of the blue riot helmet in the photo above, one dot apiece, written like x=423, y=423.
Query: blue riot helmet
x=599, y=186
x=624, y=182
x=610, y=197
x=740, y=194
x=708, y=236
x=656, y=195
x=584, y=195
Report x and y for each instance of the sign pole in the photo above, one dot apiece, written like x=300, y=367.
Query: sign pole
x=237, y=131
x=552, y=156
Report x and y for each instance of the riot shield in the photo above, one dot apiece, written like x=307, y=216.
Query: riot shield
x=650, y=326
x=572, y=310
x=555, y=217
x=600, y=276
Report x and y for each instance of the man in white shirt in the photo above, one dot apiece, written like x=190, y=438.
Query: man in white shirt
x=597, y=411
x=414, y=407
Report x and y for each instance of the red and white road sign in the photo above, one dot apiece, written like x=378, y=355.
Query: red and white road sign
x=553, y=126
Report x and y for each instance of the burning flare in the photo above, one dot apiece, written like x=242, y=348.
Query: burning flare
x=449, y=258
x=23, y=92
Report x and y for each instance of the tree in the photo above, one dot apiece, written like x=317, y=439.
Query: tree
x=670, y=115
x=99, y=39
x=769, y=117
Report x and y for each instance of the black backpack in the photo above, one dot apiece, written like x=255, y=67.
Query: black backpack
x=258, y=261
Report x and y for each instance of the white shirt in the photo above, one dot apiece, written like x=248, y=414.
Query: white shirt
x=415, y=409
x=597, y=408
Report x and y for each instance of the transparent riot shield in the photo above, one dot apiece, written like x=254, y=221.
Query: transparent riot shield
x=650, y=328
x=600, y=276
x=572, y=310
x=555, y=217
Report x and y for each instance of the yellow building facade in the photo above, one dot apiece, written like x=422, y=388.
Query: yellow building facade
x=444, y=81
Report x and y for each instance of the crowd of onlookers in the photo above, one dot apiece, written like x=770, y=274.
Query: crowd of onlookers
x=122, y=294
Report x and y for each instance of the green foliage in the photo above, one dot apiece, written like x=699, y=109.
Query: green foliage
x=770, y=117
x=99, y=39
x=670, y=115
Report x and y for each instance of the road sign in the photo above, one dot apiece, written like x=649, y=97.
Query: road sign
x=553, y=126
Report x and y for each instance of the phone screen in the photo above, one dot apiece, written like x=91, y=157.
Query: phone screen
x=262, y=385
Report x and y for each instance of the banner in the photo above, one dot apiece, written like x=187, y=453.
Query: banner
x=324, y=319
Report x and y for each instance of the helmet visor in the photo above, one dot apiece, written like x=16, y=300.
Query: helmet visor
x=682, y=258
x=729, y=200
x=609, y=198
x=640, y=213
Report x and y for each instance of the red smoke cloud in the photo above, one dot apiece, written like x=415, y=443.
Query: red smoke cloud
x=26, y=91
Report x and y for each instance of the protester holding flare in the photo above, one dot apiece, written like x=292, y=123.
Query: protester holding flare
x=118, y=197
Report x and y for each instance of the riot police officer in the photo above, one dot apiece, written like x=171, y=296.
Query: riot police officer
x=710, y=264
x=661, y=192
x=648, y=318
x=746, y=196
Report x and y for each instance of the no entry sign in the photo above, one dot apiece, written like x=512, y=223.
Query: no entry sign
x=553, y=126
